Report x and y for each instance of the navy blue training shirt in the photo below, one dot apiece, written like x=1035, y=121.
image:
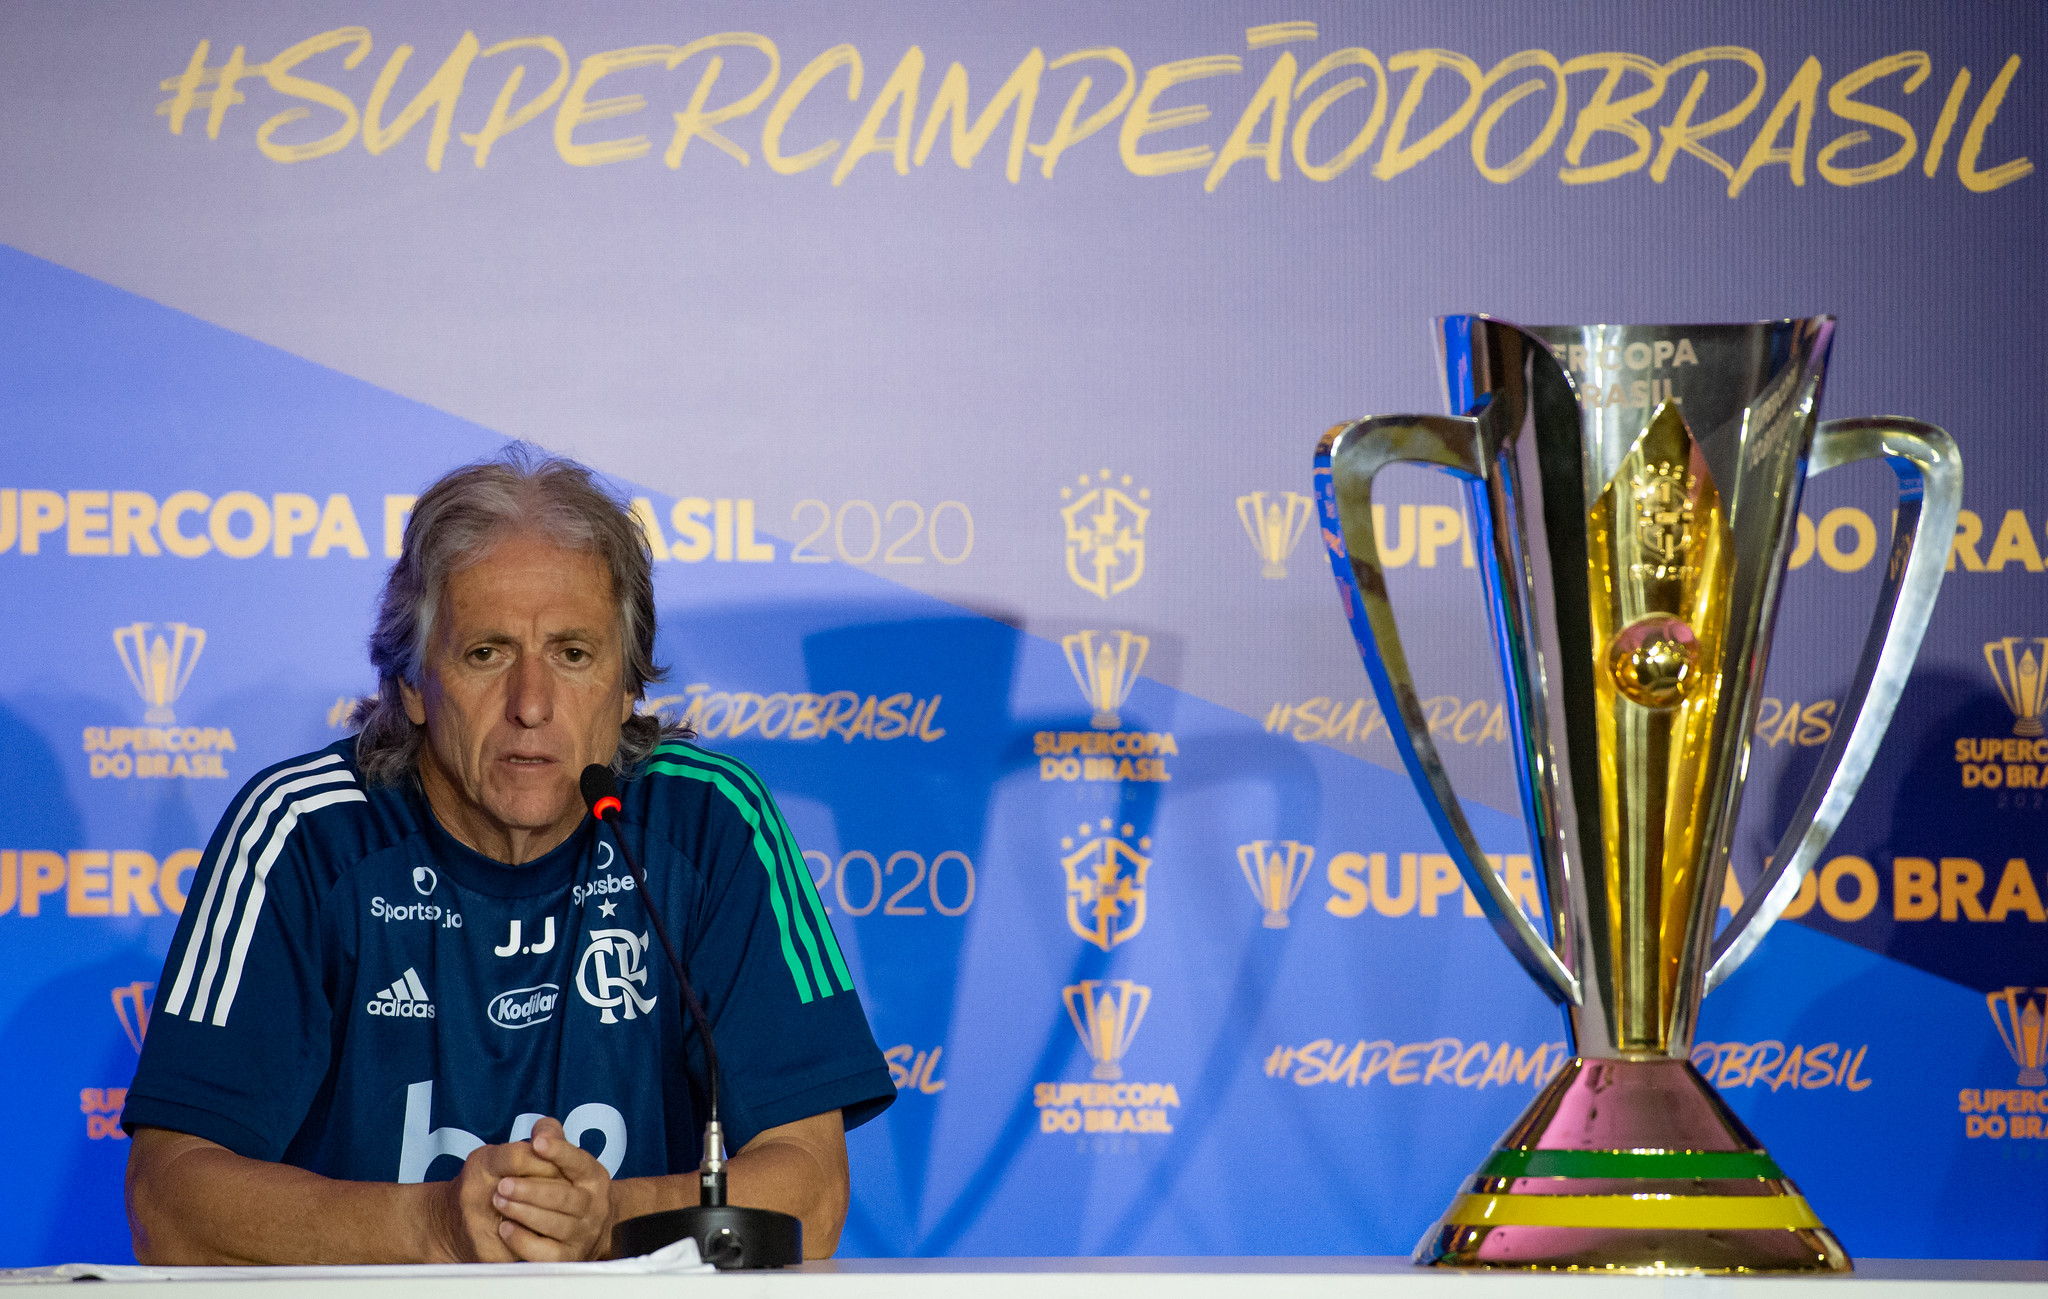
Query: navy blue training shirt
x=353, y=991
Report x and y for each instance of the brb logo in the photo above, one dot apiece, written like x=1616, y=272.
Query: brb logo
x=613, y=973
x=1105, y=534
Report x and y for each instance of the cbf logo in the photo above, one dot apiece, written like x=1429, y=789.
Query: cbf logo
x=1105, y=883
x=159, y=667
x=1105, y=533
x=1105, y=669
x=1274, y=527
x=2021, y=681
x=2019, y=666
x=1106, y=1015
x=2020, y=1014
x=1275, y=874
x=612, y=974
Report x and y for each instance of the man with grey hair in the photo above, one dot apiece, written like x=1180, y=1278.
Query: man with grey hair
x=412, y=1014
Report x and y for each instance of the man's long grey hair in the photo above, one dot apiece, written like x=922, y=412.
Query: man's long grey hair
x=522, y=491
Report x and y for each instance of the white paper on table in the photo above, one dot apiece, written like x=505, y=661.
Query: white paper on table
x=679, y=1259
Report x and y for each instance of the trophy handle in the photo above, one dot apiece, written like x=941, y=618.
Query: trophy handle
x=1348, y=458
x=1930, y=472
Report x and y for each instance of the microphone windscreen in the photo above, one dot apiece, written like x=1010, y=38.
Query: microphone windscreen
x=598, y=783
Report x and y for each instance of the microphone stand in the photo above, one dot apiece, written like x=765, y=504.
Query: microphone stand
x=728, y=1236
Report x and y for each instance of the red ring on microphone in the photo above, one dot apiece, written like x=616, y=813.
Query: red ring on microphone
x=605, y=805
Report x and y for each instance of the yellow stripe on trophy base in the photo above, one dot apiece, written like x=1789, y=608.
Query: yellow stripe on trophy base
x=1686, y=1212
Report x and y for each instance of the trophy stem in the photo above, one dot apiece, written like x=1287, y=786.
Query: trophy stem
x=1631, y=1166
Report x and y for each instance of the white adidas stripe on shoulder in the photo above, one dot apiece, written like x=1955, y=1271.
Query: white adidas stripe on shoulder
x=254, y=907
x=261, y=830
x=197, y=939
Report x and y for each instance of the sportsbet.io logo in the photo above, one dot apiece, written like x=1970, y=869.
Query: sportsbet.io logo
x=159, y=662
x=2014, y=1113
x=1106, y=1015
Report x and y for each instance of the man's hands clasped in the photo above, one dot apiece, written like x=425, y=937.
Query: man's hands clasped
x=544, y=1200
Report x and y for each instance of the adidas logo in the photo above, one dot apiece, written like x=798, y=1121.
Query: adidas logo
x=406, y=998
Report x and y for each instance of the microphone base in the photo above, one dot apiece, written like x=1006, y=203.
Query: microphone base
x=728, y=1236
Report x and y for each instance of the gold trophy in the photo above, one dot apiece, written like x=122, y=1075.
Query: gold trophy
x=1634, y=491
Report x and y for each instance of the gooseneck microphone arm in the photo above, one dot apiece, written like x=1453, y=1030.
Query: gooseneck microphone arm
x=601, y=795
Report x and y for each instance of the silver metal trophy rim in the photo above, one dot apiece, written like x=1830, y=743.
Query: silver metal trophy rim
x=1481, y=448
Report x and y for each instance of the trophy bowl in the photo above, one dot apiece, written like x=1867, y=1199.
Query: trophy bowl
x=1635, y=494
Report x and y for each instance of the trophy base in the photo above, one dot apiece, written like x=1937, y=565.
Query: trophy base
x=1631, y=1166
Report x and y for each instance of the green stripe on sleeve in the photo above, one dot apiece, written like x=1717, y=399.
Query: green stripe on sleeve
x=800, y=883
x=767, y=856
x=767, y=824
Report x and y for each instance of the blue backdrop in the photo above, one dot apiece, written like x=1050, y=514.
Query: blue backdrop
x=878, y=314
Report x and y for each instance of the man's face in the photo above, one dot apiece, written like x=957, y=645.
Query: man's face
x=523, y=687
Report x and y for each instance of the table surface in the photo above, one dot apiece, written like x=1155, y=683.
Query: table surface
x=1140, y=1278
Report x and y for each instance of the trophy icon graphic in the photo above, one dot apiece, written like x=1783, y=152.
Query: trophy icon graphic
x=132, y=1004
x=1106, y=1013
x=159, y=667
x=2022, y=678
x=1274, y=527
x=2021, y=1014
x=1105, y=670
x=1634, y=491
x=1275, y=877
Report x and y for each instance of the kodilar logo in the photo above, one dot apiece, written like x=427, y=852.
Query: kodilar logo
x=524, y=1007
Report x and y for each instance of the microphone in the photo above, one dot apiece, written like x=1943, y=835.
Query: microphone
x=728, y=1236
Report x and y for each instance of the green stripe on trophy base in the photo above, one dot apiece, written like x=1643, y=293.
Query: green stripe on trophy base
x=1688, y=1164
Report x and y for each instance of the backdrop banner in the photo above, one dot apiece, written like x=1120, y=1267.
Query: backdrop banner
x=964, y=365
